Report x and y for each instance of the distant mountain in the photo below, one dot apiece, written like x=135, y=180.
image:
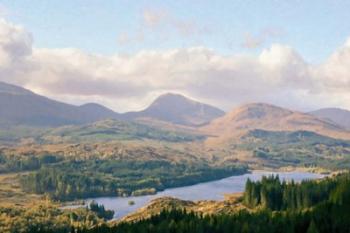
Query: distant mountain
x=177, y=109
x=97, y=111
x=268, y=117
x=19, y=106
x=6, y=88
x=337, y=115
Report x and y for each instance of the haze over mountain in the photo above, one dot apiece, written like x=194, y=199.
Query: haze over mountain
x=177, y=109
x=272, y=118
x=19, y=106
x=23, y=107
x=337, y=115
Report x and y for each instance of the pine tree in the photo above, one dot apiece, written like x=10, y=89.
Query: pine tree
x=312, y=228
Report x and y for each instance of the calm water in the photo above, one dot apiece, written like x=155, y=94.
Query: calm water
x=213, y=190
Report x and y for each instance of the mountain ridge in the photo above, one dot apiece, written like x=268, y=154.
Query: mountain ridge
x=337, y=115
x=10, y=88
x=269, y=117
x=177, y=109
x=19, y=106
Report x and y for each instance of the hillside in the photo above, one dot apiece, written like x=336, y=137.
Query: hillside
x=19, y=106
x=336, y=115
x=268, y=117
x=231, y=204
x=177, y=109
x=276, y=149
x=108, y=130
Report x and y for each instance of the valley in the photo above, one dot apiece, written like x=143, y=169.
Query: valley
x=174, y=143
x=211, y=197
x=174, y=116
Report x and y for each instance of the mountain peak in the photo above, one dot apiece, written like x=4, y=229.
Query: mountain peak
x=259, y=110
x=97, y=111
x=263, y=106
x=269, y=117
x=91, y=106
x=172, y=100
x=178, y=109
x=171, y=95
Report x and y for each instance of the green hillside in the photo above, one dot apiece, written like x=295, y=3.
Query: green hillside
x=298, y=148
x=108, y=130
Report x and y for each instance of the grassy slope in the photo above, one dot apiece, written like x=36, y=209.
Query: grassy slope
x=109, y=130
x=299, y=148
x=11, y=193
x=101, y=131
x=231, y=204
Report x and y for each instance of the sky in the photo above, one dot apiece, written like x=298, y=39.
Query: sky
x=123, y=54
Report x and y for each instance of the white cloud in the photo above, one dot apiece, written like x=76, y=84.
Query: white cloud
x=15, y=44
x=277, y=75
x=336, y=70
x=285, y=66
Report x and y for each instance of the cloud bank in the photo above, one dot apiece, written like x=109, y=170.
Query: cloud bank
x=278, y=75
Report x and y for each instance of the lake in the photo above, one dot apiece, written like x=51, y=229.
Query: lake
x=213, y=190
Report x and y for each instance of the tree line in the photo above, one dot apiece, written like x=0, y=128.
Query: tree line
x=13, y=163
x=272, y=193
x=71, y=180
x=325, y=211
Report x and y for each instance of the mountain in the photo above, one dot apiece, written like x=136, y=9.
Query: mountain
x=19, y=106
x=12, y=89
x=97, y=111
x=337, y=115
x=268, y=117
x=177, y=109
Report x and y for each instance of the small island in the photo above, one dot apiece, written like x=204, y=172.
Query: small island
x=131, y=202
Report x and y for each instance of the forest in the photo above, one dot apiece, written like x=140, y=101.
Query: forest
x=18, y=163
x=72, y=179
x=100, y=210
x=297, y=148
x=274, y=194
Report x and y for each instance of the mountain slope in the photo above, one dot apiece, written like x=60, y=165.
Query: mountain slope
x=268, y=117
x=177, y=109
x=337, y=115
x=298, y=148
x=21, y=106
x=109, y=130
x=97, y=111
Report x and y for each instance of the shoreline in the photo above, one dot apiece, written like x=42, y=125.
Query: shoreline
x=315, y=170
x=217, y=192
x=80, y=203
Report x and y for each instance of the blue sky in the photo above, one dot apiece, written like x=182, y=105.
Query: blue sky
x=123, y=54
x=313, y=28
